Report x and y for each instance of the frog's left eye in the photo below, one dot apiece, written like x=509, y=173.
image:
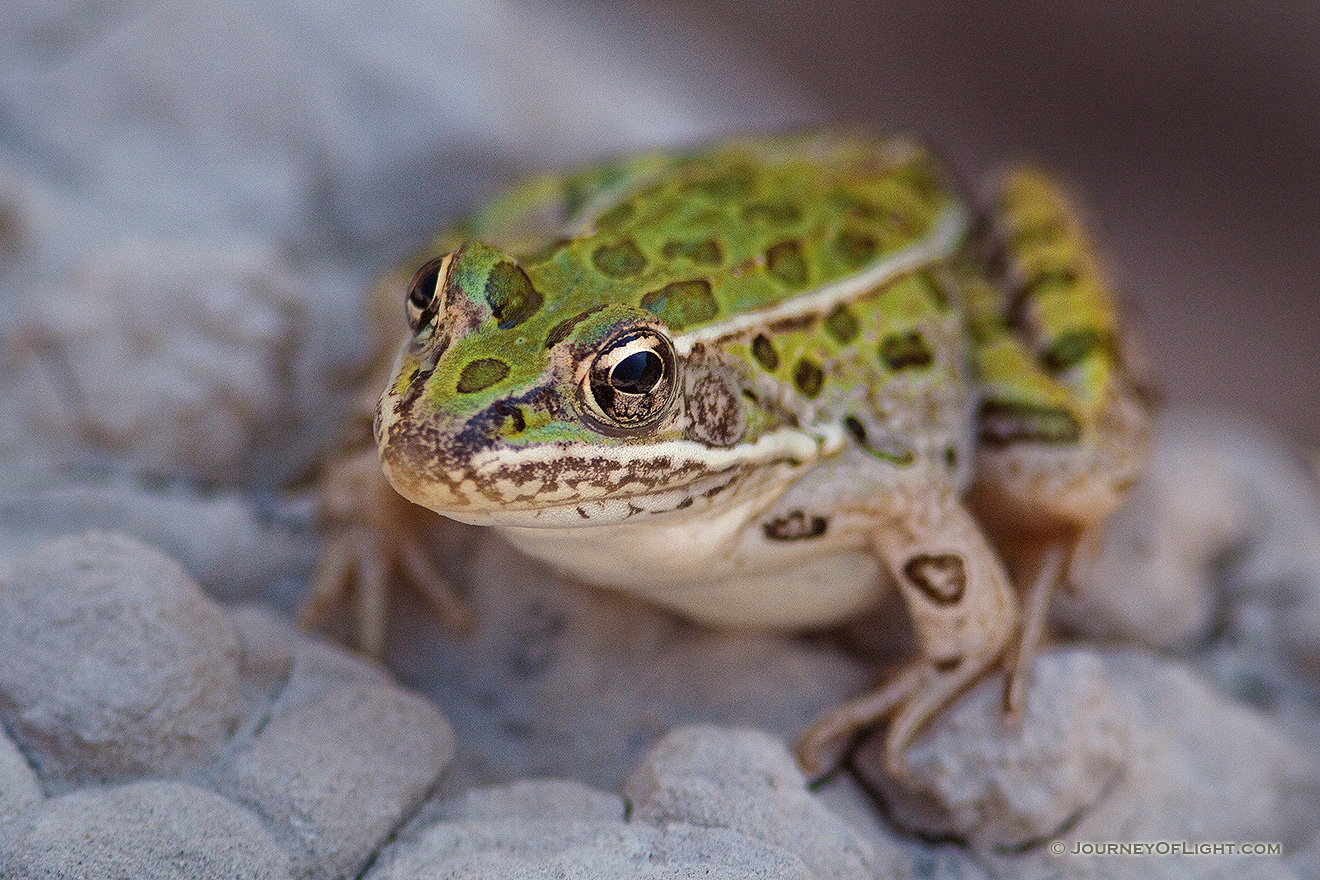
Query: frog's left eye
x=424, y=292
x=631, y=382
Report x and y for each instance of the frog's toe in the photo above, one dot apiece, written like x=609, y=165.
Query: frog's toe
x=435, y=588
x=352, y=565
x=936, y=689
x=357, y=565
x=330, y=584
x=822, y=745
x=1051, y=567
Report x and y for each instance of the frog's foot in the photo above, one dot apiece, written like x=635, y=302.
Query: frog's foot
x=916, y=696
x=965, y=616
x=370, y=535
x=820, y=745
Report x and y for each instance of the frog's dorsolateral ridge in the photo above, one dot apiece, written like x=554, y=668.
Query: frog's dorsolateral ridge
x=740, y=381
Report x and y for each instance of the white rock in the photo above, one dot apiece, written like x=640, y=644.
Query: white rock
x=535, y=799
x=1116, y=746
x=1224, y=529
x=152, y=830
x=565, y=850
x=267, y=644
x=223, y=539
x=114, y=663
x=743, y=780
x=175, y=356
x=1206, y=766
x=704, y=802
x=19, y=788
x=999, y=786
x=334, y=777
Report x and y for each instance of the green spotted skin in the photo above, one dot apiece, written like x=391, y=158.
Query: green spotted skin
x=822, y=331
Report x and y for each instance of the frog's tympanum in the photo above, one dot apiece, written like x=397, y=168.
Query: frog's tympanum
x=746, y=382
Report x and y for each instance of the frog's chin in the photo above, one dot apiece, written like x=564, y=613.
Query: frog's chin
x=578, y=485
x=702, y=496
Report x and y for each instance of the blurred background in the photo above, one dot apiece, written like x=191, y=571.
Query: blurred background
x=306, y=145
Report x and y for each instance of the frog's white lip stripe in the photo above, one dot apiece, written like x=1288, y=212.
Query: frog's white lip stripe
x=943, y=238
x=496, y=469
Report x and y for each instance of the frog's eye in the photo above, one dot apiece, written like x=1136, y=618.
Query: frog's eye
x=424, y=292
x=631, y=382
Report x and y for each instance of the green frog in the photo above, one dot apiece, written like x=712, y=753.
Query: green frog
x=760, y=383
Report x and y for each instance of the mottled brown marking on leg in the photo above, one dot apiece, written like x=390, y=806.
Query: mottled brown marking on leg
x=942, y=577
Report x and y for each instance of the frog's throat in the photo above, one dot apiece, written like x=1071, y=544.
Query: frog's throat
x=943, y=239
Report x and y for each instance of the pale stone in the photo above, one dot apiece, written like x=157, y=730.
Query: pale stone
x=1000, y=784
x=705, y=801
x=335, y=777
x=115, y=663
x=176, y=357
x=746, y=781
x=153, y=830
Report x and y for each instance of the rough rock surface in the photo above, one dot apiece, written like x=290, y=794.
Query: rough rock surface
x=705, y=801
x=152, y=830
x=19, y=788
x=1114, y=746
x=115, y=663
x=289, y=756
x=1001, y=785
x=209, y=330
x=335, y=778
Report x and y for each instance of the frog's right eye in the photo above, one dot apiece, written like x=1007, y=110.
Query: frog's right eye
x=424, y=292
x=631, y=381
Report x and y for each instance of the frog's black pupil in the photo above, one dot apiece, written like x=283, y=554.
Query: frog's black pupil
x=423, y=289
x=637, y=373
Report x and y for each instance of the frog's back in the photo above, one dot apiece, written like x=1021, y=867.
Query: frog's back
x=709, y=237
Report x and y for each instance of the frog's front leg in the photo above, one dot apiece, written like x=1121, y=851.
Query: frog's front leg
x=965, y=615
x=370, y=533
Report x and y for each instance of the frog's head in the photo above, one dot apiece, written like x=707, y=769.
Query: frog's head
x=508, y=407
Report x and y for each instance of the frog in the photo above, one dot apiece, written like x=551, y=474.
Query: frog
x=762, y=383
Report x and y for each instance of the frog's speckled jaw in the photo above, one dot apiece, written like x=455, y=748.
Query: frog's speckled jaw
x=497, y=415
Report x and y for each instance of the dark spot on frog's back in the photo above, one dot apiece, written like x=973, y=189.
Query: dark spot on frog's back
x=842, y=324
x=616, y=216
x=706, y=252
x=796, y=526
x=511, y=296
x=764, y=352
x=1002, y=422
x=771, y=214
x=682, y=303
x=480, y=374
x=786, y=262
x=856, y=249
x=809, y=377
x=906, y=351
x=621, y=260
x=1072, y=347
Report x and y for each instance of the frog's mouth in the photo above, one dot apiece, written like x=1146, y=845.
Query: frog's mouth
x=568, y=485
